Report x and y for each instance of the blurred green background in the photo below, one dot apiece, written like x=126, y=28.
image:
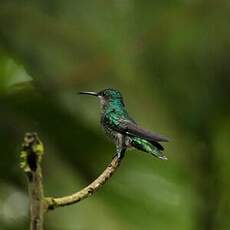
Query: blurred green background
x=170, y=59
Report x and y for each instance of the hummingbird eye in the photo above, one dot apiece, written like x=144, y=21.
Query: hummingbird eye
x=103, y=93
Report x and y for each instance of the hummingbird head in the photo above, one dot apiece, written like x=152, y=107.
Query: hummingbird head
x=106, y=95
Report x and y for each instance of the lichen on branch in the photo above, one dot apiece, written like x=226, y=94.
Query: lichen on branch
x=31, y=157
x=32, y=151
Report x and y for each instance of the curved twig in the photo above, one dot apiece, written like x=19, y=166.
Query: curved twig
x=31, y=157
x=52, y=203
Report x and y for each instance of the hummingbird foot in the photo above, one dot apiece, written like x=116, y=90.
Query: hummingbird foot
x=119, y=154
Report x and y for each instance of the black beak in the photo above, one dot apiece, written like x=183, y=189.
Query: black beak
x=89, y=93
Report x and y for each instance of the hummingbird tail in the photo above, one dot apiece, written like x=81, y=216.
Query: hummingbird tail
x=146, y=146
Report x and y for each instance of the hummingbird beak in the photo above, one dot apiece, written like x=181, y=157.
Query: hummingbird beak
x=89, y=93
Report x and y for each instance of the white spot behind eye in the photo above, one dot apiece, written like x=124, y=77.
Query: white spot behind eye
x=102, y=101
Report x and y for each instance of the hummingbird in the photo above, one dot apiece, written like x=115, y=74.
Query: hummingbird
x=122, y=129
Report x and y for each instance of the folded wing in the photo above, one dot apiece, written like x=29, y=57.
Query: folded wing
x=129, y=127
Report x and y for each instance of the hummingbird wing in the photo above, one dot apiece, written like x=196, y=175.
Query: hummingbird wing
x=124, y=124
x=130, y=128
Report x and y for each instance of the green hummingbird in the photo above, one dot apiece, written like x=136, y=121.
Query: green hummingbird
x=122, y=129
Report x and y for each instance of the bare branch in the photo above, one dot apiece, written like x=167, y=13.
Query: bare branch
x=31, y=156
x=52, y=203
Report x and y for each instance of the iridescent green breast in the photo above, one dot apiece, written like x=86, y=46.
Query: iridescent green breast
x=112, y=113
x=110, y=116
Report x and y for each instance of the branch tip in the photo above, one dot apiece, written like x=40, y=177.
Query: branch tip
x=31, y=153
